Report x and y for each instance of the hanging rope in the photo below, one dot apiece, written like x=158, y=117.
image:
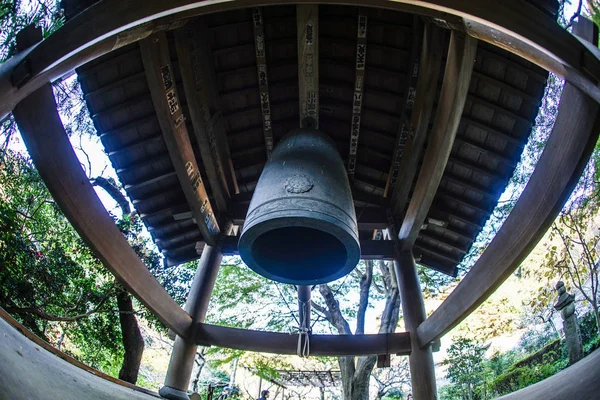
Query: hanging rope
x=303, y=349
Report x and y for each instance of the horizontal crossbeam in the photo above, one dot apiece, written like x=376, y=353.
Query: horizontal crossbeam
x=320, y=345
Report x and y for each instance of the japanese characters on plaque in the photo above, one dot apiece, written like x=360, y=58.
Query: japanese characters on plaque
x=171, y=93
x=263, y=80
x=357, y=100
x=205, y=209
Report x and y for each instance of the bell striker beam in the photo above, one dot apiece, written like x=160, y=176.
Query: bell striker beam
x=263, y=77
x=307, y=22
x=566, y=153
x=359, y=84
x=199, y=82
x=184, y=350
x=161, y=80
x=426, y=87
x=54, y=158
x=422, y=371
x=457, y=76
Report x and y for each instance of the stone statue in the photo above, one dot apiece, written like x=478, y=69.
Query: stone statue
x=565, y=304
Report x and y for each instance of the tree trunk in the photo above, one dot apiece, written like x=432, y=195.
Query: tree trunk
x=133, y=342
x=597, y=316
x=356, y=371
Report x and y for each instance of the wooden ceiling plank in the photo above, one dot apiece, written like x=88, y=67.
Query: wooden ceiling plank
x=151, y=140
x=53, y=156
x=492, y=131
x=468, y=164
x=421, y=84
x=565, y=155
x=260, y=46
x=161, y=80
x=199, y=82
x=149, y=181
x=468, y=186
x=357, y=97
x=457, y=76
x=527, y=98
x=307, y=21
x=482, y=149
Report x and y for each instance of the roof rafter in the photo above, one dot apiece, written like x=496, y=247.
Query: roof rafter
x=263, y=77
x=161, y=80
x=357, y=96
x=193, y=49
x=423, y=69
x=457, y=75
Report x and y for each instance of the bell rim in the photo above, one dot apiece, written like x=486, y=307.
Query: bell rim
x=252, y=233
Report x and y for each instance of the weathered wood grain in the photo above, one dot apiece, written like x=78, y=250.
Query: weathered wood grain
x=161, y=80
x=457, y=76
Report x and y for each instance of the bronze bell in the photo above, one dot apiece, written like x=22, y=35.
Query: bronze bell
x=301, y=224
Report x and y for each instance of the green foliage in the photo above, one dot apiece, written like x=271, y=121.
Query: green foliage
x=464, y=367
x=532, y=369
x=49, y=279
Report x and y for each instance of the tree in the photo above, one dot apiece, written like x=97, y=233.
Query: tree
x=356, y=371
x=392, y=382
x=52, y=282
x=464, y=367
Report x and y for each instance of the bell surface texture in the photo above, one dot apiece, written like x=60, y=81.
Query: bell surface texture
x=301, y=224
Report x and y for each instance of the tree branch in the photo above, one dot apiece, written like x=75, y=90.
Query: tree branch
x=111, y=188
x=51, y=317
x=363, y=302
x=333, y=306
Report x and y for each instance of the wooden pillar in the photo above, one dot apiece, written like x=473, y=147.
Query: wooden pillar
x=422, y=371
x=184, y=351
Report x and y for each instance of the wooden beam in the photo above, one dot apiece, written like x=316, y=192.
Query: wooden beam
x=260, y=46
x=307, y=22
x=422, y=369
x=566, y=153
x=424, y=60
x=159, y=72
x=184, y=350
x=457, y=75
x=118, y=23
x=320, y=345
x=199, y=83
x=54, y=158
x=357, y=97
x=426, y=90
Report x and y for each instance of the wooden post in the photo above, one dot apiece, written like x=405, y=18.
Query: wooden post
x=184, y=351
x=422, y=373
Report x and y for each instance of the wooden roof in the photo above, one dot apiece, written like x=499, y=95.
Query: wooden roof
x=503, y=99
